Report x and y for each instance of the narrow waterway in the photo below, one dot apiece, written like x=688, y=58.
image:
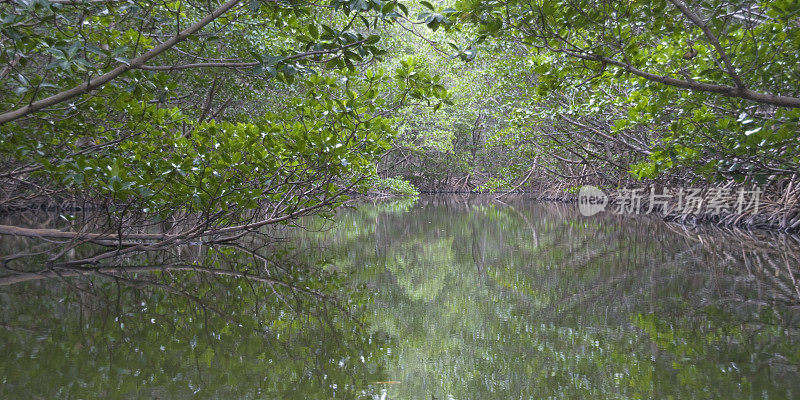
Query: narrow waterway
x=436, y=298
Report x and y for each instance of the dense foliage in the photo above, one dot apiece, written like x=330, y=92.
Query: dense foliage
x=213, y=117
x=183, y=107
x=709, y=86
x=563, y=93
x=175, y=140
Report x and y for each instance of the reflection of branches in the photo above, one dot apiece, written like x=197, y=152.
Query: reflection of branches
x=711, y=267
x=193, y=282
x=117, y=271
x=191, y=229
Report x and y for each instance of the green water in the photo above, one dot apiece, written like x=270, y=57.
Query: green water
x=440, y=298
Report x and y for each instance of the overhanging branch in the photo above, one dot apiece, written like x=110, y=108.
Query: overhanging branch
x=728, y=91
x=101, y=80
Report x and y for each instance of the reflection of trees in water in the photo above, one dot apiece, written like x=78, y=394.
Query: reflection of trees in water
x=237, y=320
x=751, y=268
x=480, y=299
x=491, y=301
x=738, y=310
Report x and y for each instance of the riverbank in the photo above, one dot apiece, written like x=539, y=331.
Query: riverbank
x=730, y=206
x=749, y=207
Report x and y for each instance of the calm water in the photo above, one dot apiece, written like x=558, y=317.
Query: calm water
x=442, y=298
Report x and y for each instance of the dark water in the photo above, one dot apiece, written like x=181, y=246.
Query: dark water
x=442, y=298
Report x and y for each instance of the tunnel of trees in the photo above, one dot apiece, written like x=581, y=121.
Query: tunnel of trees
x=151, y=124
x=158, y=157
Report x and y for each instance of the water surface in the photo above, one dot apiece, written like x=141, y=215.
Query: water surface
x=440, y=298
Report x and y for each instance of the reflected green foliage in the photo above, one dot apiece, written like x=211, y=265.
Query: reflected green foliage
x=488, y=300
x=188, y=336
x=436, y=297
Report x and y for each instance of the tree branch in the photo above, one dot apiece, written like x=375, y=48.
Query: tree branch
x=711, y=39
x=605, y=136
x=246, y=64
x=728, y=91
x=119, y=70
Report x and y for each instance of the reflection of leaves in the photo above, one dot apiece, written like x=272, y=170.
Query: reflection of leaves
x=716, y=344
x=423, y=283
x=487, y=301
x=112, y=338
